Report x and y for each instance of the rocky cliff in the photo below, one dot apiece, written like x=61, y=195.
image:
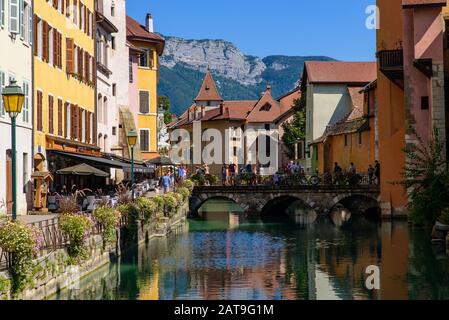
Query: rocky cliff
x=238, y=76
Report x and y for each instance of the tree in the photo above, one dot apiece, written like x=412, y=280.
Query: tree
x=167, y=117
x=164, y=102
x=426, y=178
x=296, y=129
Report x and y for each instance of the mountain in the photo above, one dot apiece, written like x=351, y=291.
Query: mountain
x=238, y=76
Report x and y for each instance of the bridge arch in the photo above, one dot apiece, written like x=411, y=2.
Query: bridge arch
x=196, y=202
x=278, y=205
x=359, y=204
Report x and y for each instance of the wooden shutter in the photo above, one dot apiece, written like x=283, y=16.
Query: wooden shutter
x=86, y=19
x=50, y=114
x=74, y=122
x=80, y=63
x=144, y=102
x=69, y=55
x=39, y=111
x=87, y=130
x=66, y=119
x=44, y=41
x=55, y=47
x=80, y=124
x=35, y=43
x=86, y=66
x=94, y=76
x=60, y=133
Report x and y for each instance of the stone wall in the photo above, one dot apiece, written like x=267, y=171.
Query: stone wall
x=52, y=273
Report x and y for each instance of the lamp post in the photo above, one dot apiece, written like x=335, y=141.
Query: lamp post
x=132, y=141
x=13, y=98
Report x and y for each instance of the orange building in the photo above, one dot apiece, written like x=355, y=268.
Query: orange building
x=410, y=87
x=353, y=138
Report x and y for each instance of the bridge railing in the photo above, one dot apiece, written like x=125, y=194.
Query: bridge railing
x=293, y=180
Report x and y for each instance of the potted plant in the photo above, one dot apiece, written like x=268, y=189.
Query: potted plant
x=442, y=223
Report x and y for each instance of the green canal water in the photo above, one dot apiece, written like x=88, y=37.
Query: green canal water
x=223, y=256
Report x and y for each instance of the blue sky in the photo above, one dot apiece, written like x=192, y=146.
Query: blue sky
x=334, y=28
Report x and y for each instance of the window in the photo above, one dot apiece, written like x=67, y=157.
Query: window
x=144, y=102
x=70, y=56
x=360, y=138
x=25, y=171
x=346, y=140
x=2, y=85
x=83, y=125
x=75, y=11
x=266, y=107
x=145, y=140
x=425, y=103
x=14, y=16
x=114, y=131
x=26, y=102
x=105, y=113
x=50, y=114
x=112, y=10
x=114, y=89
x=30, y=24
x=67, y=120
x=113, y=42
x=51, y=46
x=234, y=151
x=39, y=51
x=100, y=108
x=131, y=78
x=60, y=133
x=2, y=13
x=146, y=59
x=23, y=19
x=39, y=121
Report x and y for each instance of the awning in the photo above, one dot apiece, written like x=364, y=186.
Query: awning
x=83, y=170
x=112, y=163
x=160, y=161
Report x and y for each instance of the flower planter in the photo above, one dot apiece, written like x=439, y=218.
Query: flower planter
x=441, y=226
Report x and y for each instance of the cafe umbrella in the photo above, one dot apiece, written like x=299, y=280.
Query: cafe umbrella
x=83, y=170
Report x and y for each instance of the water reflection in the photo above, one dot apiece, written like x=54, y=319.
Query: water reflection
x=221, y=255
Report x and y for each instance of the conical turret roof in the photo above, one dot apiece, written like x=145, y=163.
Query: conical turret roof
x=208, y=90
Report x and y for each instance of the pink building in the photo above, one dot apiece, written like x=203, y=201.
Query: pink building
x=424, y=80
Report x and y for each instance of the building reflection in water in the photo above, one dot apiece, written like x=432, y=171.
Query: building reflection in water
x=224, y=256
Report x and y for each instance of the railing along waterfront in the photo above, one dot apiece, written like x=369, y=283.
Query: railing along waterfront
x=53, y=237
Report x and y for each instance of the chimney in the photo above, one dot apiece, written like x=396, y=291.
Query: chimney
x=203, y=111
x=268, y=90
x=149, y=23
x=221, y=108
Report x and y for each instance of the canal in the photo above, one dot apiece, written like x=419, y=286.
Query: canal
x=220, y=255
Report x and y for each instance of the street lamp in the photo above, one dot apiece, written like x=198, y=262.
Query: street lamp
x=132, y=141
x=13, y=98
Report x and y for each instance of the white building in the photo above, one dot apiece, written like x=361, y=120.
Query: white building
x=107, y=106
x=329, y=86
x=16, y=20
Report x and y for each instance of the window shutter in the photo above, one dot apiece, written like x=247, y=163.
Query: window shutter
x=80, y=124
x=66, y=119
x=94, y=129
x=30, y=23
x=2, y=12
x=22, y=18
x=55, y=4
x=35, y=35
x=14, y=16
x=60, y=117
x=55, y=47
x=45, y=55
x=39, y=111
x=69, y=55
x=86, y=19
x=144, y=102
x=142, y=140
x=94, y=76
x=62, y=6
x=80, y=63
x=50, y=114
x=86, y=66
x=87, y=118
x=74, y=122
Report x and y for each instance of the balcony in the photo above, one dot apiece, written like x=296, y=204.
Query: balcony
x=391, y=63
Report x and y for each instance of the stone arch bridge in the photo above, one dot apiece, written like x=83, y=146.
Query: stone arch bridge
x=256, y=200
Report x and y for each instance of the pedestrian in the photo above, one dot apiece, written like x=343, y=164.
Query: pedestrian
x=166, y=181
x=223, y=175
x=232, y=170
x=337, y=173
x=180, y=174
x=370, y=174
x=377, y=171
x=277, y=178
x=352, y=171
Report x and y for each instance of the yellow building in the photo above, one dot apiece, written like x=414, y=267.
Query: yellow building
x=151, y=47
x=64, y=82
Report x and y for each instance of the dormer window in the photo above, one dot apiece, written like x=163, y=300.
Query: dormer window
x=266, y=107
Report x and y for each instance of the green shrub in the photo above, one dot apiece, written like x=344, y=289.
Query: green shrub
x=179, y=199
x=189, y=184
x=5, y=285
x=147, y=207
x=76, y=228
x=170, y=204
x=159, y=201
x=198, y=179
x=23, y=243
x=211, y=179
x=184, y=192
x=109, y=218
